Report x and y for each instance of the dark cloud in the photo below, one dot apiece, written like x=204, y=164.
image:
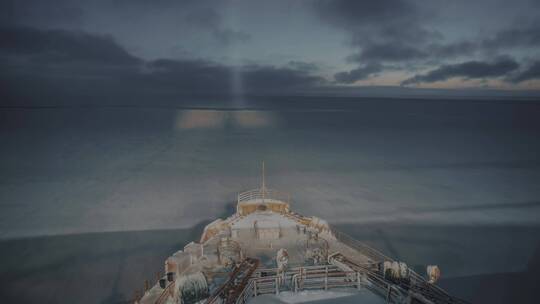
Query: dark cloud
x=52, y=40
x=532, y=72
x=269, y=78
x=303, y=66
x=39, y=65
x=524, y=36
x=209, y=19
x=399, y=52
x=360, y=73
x=396, y=51
x=352, y=14
x=200, y=76
x=469, y=69
x=184, y=75
x=387, y=52
x=400, y=32
x=451, y=50
x=371, y=57
x=62, y=46
x=389, y=31
x=228, y=36
x=381, y=31
x=187, y=20
x=376, y=22
x=62, y=12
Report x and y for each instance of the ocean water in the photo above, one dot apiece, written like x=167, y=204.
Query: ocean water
x=447, y=181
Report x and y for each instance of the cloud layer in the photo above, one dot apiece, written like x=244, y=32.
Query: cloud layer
x=468, y=70
x=405, y=35
x=171, y=48
x=66, y=64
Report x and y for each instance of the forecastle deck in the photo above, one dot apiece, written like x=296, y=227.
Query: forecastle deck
x=266, y=248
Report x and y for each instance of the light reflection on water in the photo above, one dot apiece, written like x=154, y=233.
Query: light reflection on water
x=208, y=119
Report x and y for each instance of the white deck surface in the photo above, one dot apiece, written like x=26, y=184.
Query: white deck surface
x=320, y=296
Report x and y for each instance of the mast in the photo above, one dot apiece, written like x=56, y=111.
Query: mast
x=263, y=186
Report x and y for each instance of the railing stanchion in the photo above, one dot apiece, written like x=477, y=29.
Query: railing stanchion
x=326, y=278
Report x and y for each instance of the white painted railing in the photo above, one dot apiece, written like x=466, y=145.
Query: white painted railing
x=263, y=194
x=268, y=281
x=418, y=282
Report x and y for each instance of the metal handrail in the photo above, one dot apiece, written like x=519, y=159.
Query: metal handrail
x=359, y=246
x=263, y=194
x=318, y=277
x=377, y=256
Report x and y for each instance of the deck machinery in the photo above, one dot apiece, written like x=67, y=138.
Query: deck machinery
x=265, y=248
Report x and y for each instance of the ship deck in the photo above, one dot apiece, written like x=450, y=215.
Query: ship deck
x=266, y=249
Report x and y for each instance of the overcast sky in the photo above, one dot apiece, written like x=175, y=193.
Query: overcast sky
x=127, y=48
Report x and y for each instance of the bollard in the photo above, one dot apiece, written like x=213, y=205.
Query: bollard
x=170, y=276
x=163, y=283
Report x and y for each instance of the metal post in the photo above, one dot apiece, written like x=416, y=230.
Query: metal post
x=301, y=280
x=254, y=288
x=277, y=286
x=326, y=278
x=263, y=186
x=358, y=280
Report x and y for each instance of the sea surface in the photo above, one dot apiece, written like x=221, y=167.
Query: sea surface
x=94, y=198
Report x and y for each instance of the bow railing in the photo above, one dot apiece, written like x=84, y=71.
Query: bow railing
x=259, y=194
